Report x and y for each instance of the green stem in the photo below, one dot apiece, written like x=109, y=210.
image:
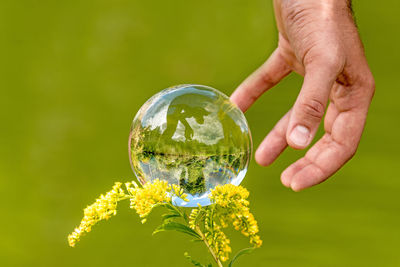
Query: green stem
x=180, y=211
x=198, y=230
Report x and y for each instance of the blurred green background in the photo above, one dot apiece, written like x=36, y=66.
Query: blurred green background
x=74, y=73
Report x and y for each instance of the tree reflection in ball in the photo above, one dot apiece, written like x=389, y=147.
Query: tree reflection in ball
x=193, y=136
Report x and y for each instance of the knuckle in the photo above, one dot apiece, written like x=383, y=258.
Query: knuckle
x=330, y=61
x=267, y=79
x=350, y=152
x=370, y=85
x=333, y=63
x=366, y=85
x=313, y=108
x=295, y=11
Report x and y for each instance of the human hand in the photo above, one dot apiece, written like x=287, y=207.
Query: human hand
x=319, y=40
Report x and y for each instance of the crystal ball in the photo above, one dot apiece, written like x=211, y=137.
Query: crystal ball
x=192, y=136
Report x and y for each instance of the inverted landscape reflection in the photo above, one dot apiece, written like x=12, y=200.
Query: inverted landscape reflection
x=193, y=136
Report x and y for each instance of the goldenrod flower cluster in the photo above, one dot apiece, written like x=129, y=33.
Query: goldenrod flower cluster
x=104, y=207
x=229, y=207
x=234, y=208
x=216, y=238
x=245, y=223
x=226, y=195
x=178, y=191
x=143, y=199
x=193, y=217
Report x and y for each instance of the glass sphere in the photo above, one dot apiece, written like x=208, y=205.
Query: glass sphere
x=193, y=136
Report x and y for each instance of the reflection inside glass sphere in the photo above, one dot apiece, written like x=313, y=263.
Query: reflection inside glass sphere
x=193, y=136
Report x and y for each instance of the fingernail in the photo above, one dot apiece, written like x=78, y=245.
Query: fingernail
x=300, y=135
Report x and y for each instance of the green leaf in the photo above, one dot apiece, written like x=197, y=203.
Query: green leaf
x=194, y=262
x=240, y=253
x=165, y=205
x=185, y=216
x=170, y=216
x=171, y=208
x=175, y=226
x=159, y=205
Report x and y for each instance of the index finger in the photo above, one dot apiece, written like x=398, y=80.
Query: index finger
x=265, y=77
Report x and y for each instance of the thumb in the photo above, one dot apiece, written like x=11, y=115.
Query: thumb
x=309, y=107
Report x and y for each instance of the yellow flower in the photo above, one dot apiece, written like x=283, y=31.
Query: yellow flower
x=144, y=199
x=216, y=238
x=104, y=207
x=244, y=222
x=178, y=191
x=193, y=217
x=224, y=195
x=232, y=206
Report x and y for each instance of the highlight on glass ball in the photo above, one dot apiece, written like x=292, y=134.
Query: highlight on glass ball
x=192, y=136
